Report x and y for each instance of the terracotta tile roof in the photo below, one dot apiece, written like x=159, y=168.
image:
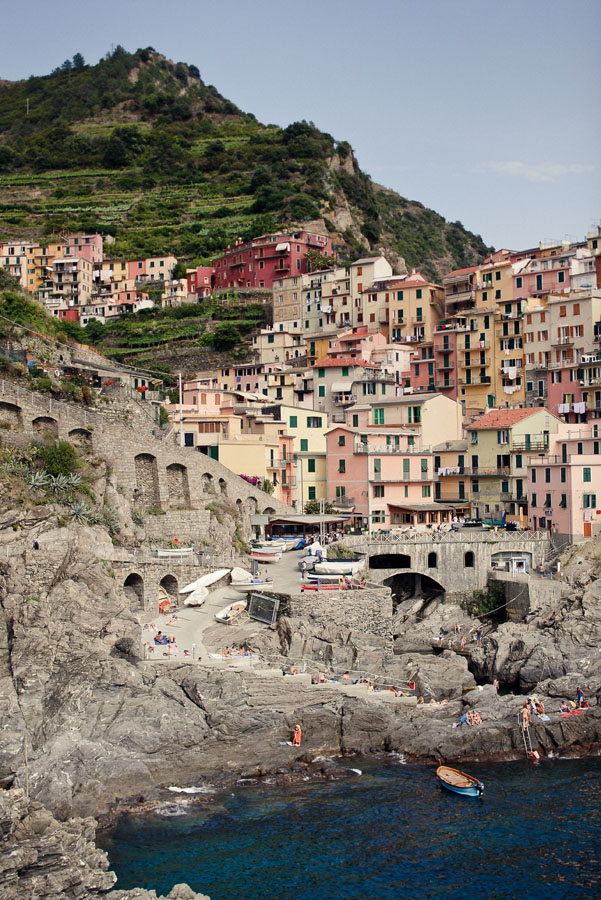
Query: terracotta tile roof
x=462, y=271
x=502, y=418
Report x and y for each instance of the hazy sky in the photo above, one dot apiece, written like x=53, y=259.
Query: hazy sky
x=486, y=111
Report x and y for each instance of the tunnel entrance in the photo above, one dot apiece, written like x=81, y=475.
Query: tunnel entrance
x=406, y=585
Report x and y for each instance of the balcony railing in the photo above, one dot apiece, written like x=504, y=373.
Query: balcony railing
x=343, y=502
x=444, y=385
x=562, y=342
x=442, y=366
x=380, y=450
x=279, y=463
x=479, y=472
x=460, y=296
x=538, y=445
x=485, y=379
x=344, y=399
x=377, y=376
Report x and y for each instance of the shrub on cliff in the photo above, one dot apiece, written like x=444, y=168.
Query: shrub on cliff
x=59, y=458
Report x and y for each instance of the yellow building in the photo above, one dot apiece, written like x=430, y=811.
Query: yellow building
x=415, y=307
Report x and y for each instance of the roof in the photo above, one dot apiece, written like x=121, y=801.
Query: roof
x=367, y=259
x=503, y=418
x=462, y=271
x=449, y=446
x=344, y=361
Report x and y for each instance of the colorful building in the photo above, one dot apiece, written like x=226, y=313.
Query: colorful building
x=260, y=261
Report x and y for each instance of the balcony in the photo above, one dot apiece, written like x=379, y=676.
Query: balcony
x=444, y=385
x=538, y=445
x=343, y=399
x=562, y=342
x=288, y=484
x=475, y=382
x=442, y=366
x=343, y=502
x=417, y=320
x=440, y=348
x=473, y=364
x=382, y=449
x=478, y=472
x=409, y=339
x=597, y=337
x=388, y=377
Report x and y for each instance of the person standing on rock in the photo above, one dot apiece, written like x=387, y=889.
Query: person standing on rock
x=296, y=737
x=580, y=698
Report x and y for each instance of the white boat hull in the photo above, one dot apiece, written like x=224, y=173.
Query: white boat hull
x=266, y=557
x=339, y=567
x=232, y=612
x=204, y=581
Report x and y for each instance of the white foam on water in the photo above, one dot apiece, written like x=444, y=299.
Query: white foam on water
x=172, y=811
x=199, y=789
x=399, y=758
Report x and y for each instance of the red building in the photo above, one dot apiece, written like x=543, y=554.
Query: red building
x=257, y=263
x=200, y=281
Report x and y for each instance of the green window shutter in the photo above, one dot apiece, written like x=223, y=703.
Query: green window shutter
x=311, y=493
x=322, y=390
x=406, y=467
x=355, y=421
x=424, y=463
x=377, y=467
x=586, y=474
x=345, y=371
x=321, y=373
x=293, y=421
x=304, y=445
x=310, y=465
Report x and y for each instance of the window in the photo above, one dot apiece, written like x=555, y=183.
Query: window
x=312, y=493
x=399, y=295
x=424, y=466
x=345, y=371
x=270, y=338
x=378, y=490
x=314, y=422
x=586, y=475
x=563, y=474
x=418, y=312
x=547, y=501
x=475, y=487
x=547, y=476
x=533, y=501
x=294, y=422
x=341, y=440
x=562, y=312
x=432, y=561
x=518, y=461
x=310, y=465
x=589, y=501
x=377, y=467
x=379, y=416
x=355, y=421
x=473, y=437
x=468, y=560
x=497, y=295
x=504, y=487
x=321, y=390
x=503, y=436
x=342, y=465
x=304, y=445
x=579, y=447
x=321, y=373
x=406, y=464
x=561, y=277
x=418, y=296
x=425, y=490
x=563, y=503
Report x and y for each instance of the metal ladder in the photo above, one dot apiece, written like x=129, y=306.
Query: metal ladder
x=527, y=740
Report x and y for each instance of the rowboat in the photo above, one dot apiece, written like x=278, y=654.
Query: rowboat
x=270, y=547
x=255, y=584
x=459, y=782
x=229, y=614
x=197, y=597
x=339, y=566
x=324, y=579
x=265, y=557
x=204, y=581
x=174, y=553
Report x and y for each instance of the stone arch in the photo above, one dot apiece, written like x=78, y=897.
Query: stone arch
x=468, y=559
x=11, y=414
x=269, y=511
x=412, y=584
x=45, y=425
x=390, y=561
x=147, y=480
x=178, y=488
x=133, y=588
x=223, y=485
x=207, y=483
x=251, y=506
x=170, y=585
x=80, y=437
x=240, y=507
x=432, y=560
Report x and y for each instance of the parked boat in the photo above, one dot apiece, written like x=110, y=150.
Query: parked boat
x=175, y=553
x=254, y=584
x=459, y=782
x=265, y=547
x=197, y=597
x=309, y=562
x=231, y=613
x=265, y=557
x=339, y=567
x=204, y=581
x=324, y=579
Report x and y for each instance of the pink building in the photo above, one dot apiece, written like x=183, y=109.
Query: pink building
x=258, y=262
x=155, y=268
x=564, y=488
x=200, y=281
x=544, y=275
x=384, y=476
x=445, y=359
x=87, y=246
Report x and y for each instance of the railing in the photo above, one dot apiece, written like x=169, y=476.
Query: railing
x=460, y=296
x=377, y=376
x=278, y=463
x=444, y=385
x=462, y=536
x=485, y=379
x=519, y=446
x=344, y=399
x=478, y=472
x=443, y=366
x=343, y=502
x=381, y=449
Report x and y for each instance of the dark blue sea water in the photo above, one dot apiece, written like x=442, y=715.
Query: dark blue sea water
x=390, y=834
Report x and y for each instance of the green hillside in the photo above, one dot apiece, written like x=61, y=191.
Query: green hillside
x=139, y=148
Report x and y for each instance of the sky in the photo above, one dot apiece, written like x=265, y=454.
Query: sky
x=487, y=112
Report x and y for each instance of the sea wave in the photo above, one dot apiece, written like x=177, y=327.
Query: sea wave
x=195, y=789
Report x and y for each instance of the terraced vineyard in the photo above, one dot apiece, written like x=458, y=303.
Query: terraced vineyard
x=140, y=149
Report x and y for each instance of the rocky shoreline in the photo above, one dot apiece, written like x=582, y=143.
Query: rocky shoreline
x=104, y=728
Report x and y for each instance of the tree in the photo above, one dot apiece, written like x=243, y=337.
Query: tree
x=319, y=260
x=66, y=66
x=312, y=508
x=59, y=458
x=225, y=336
x=179, y=271
x=78, y=62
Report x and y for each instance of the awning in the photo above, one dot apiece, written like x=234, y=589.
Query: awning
x=342, y=387
x=425, y=507
x=281, y=247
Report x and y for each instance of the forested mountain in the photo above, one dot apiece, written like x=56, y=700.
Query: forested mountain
x=141, y=148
